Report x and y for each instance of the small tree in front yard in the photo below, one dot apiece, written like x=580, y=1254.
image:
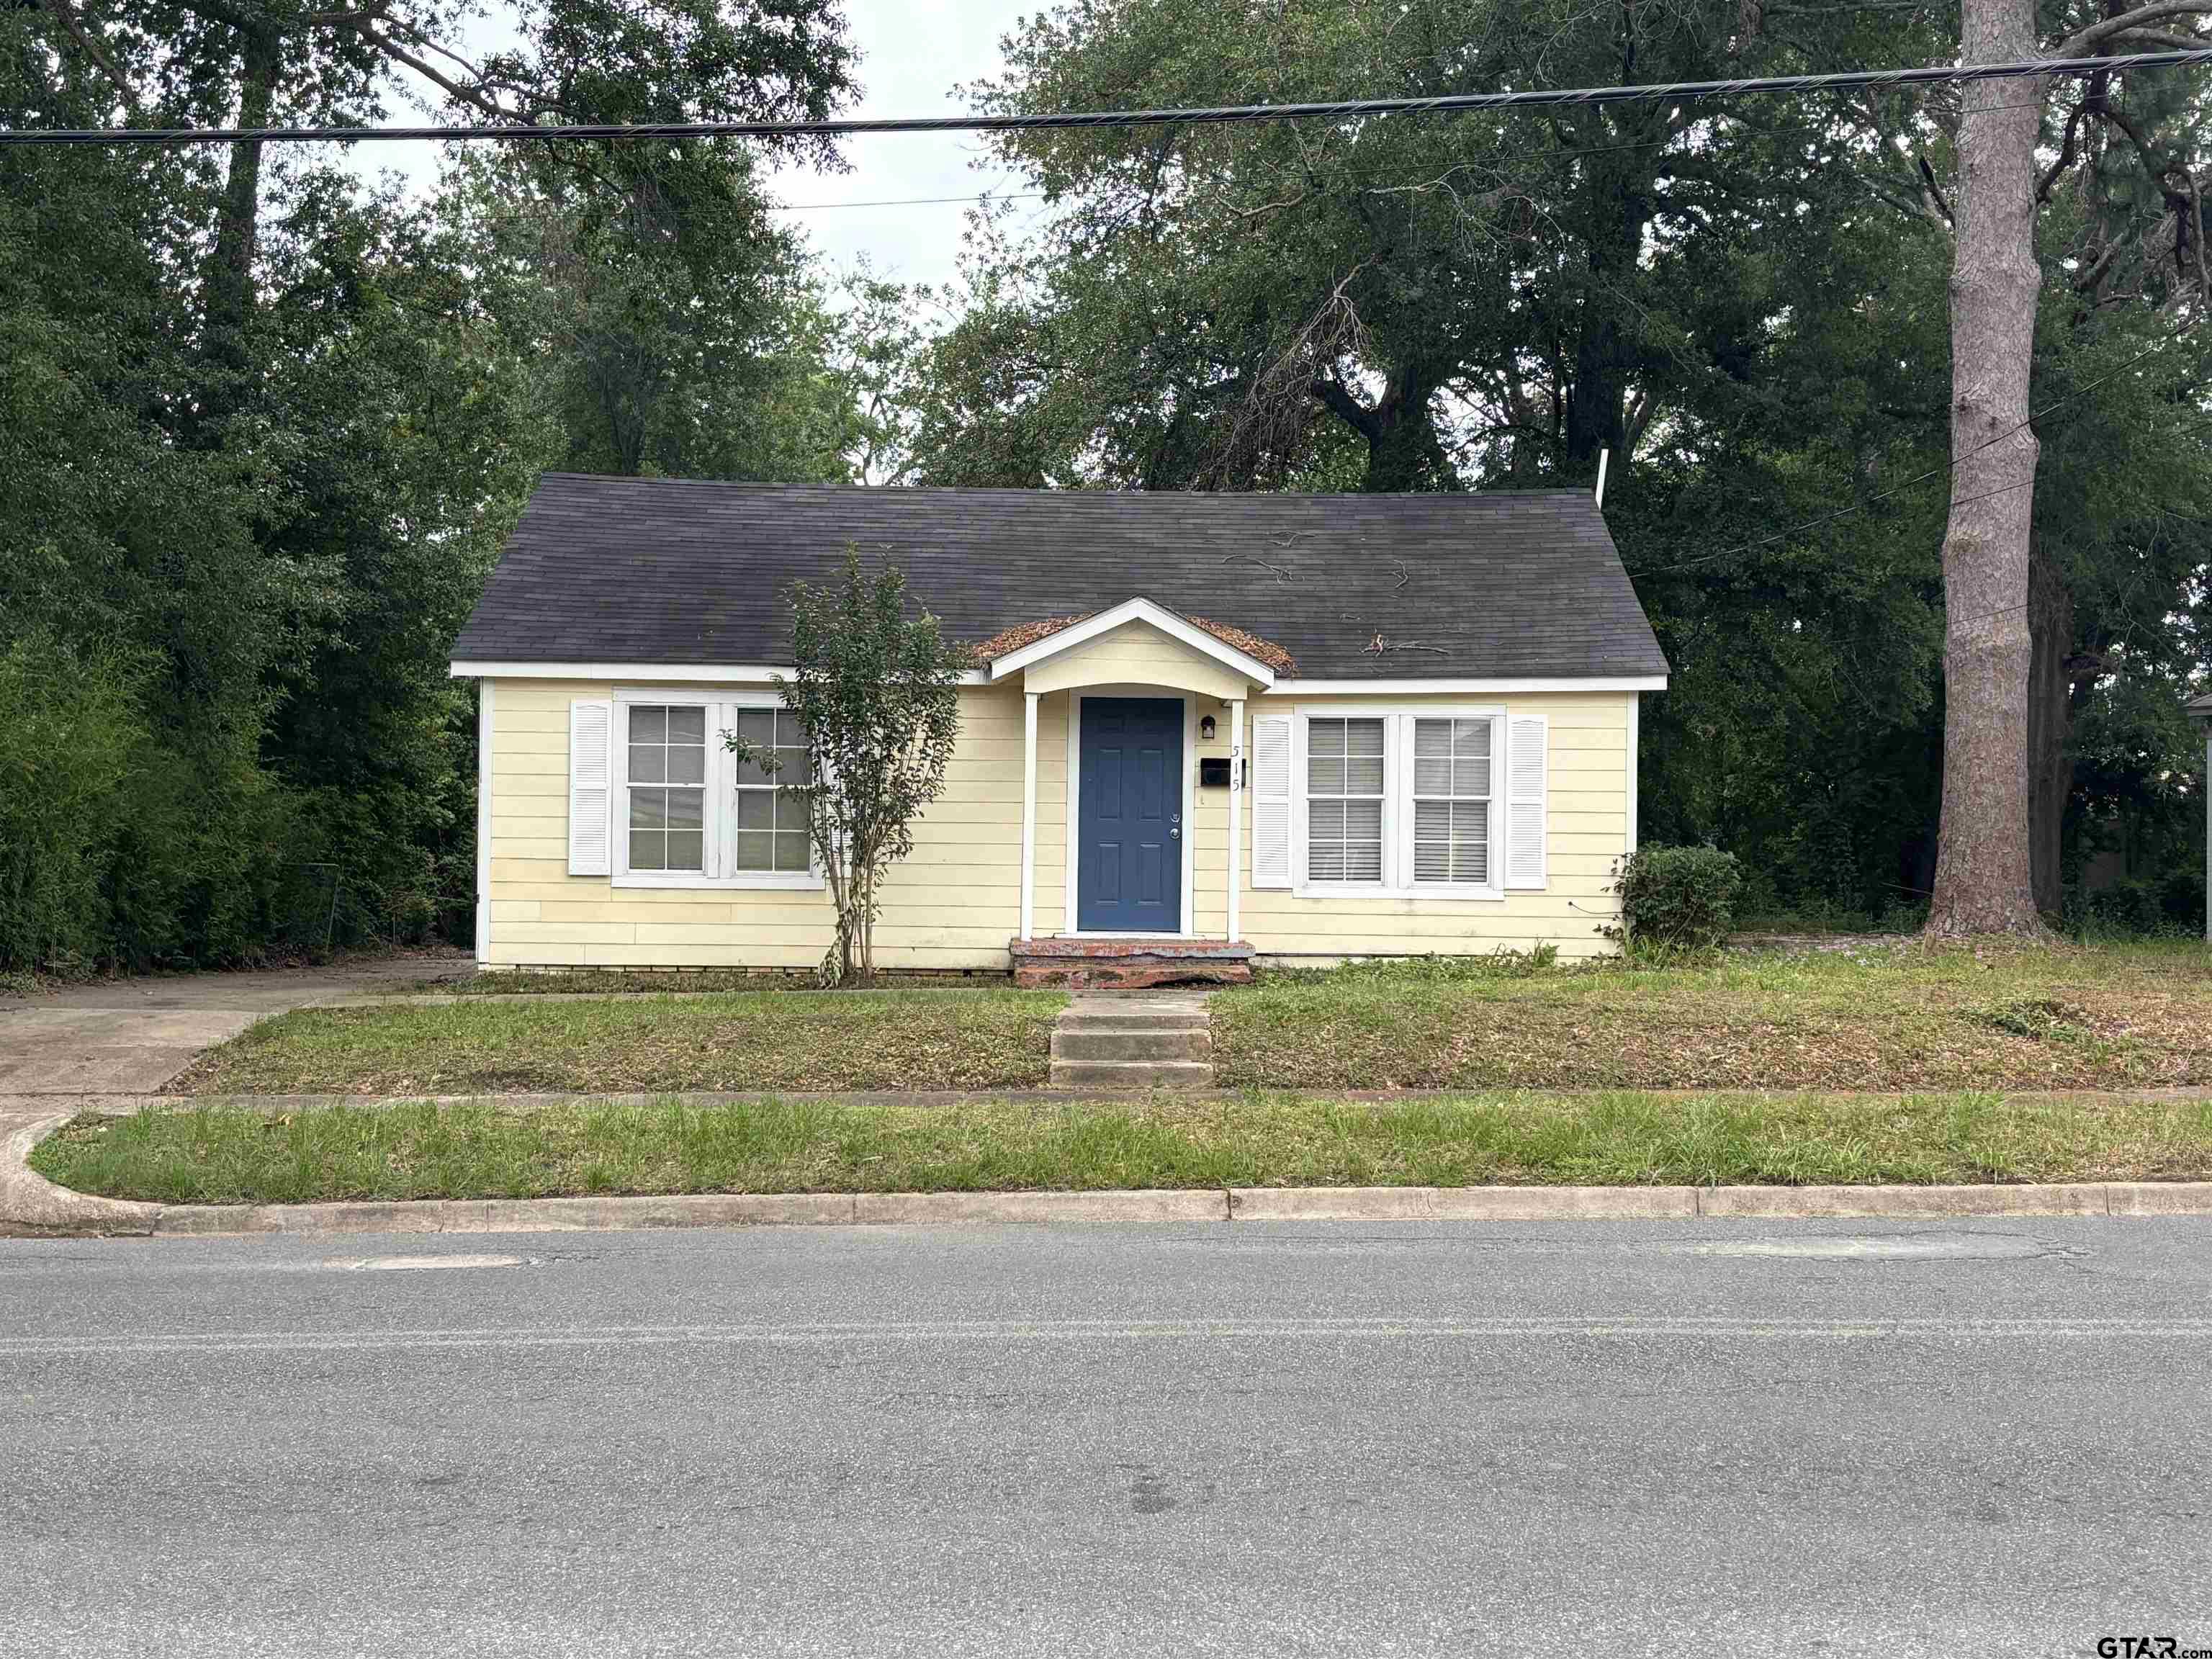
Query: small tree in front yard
x=876, y=694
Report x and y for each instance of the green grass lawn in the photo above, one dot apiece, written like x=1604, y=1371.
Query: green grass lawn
x=998, y=1038
x=219, y=1154
x=1891, y=1017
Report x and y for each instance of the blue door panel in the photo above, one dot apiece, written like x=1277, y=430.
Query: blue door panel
x=1129, y=816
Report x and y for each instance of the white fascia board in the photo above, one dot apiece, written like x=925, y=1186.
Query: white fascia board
x=648, y=672
x=1129, y=610
x=1386, y=688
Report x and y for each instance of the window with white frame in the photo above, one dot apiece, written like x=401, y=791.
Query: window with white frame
x=1451, y=785
x=771, y=832
x=690, y=812
x=1345, y=775
x=667, y=787
x=1403, y=801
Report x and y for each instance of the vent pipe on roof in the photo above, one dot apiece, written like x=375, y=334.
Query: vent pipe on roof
x=1603, y=456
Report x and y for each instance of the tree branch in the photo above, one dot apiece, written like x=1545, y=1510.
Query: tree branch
x=94, y=50
x=2157, y=169
x=1335, y=396
x=2085, y=41
x=2065, y=154
x=475, y=97
x=1934, y=192
x=2096, y=273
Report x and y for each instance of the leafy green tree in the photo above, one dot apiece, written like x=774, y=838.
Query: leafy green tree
x=1744, y=301
x=1402, y=304
x=253, y=63
x=676, y=330
x=876, y=691
x=262, y=430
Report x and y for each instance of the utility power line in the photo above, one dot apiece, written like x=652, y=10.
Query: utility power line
x=1215, y=115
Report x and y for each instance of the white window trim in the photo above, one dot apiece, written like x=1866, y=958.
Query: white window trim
x=1397, y=881
x=721, y=798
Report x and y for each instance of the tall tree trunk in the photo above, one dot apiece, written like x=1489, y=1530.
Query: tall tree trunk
x=228, y=287
x=1620, y=206
x=1984, y=883
x=1403, y=453
x=2050, y=720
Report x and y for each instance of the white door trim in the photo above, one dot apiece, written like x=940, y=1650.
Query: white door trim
x=1074, y=857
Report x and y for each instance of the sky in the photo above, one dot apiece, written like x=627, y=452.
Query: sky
x=912, y=54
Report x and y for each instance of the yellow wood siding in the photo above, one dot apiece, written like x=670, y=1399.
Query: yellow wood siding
x=958, y=901
x=1587, y=828
x=1136, y=655
x=953, y=904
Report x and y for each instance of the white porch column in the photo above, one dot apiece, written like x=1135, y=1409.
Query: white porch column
x=1028, y=810
x=483, y=822
x=1235, y=818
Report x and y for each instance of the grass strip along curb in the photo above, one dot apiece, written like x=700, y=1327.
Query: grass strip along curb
x=474, y=1150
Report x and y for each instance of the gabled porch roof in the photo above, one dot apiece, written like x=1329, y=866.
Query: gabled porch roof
x=1232, y=649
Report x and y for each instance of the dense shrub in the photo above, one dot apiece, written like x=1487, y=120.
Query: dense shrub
x=67, y=724
x=1679, y=898
x=2167, y=905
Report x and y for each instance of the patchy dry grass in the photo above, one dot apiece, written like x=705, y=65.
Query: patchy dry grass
x=980, y=1039
x=228, y=1155
x=599, y=982
x=1882, y=1017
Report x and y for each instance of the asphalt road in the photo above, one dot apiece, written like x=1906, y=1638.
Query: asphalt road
x=1627, y=1438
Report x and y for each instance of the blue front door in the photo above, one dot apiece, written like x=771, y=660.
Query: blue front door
x=1128, y=827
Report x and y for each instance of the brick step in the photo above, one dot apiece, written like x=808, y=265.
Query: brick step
x=1137, y=1077
x=1185, y=1042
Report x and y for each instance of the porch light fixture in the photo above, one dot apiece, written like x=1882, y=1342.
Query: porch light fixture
x=1206, y=728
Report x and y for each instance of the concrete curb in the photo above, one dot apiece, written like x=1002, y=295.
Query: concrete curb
x=31, y=1205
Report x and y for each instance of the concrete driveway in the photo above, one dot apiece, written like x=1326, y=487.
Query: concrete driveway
x=129, y=1037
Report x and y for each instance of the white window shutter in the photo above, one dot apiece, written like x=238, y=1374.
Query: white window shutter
x=1526, y=808
x=1271, y=800
x=591, y=788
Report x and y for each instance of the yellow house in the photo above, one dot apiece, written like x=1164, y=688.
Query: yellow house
x=1202, y=729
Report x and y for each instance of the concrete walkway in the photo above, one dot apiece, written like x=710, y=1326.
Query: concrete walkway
x=128, y=1037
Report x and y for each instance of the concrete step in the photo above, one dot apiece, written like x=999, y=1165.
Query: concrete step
x=1137, y=1077
x=1185, y=1042
x=1083, y=1020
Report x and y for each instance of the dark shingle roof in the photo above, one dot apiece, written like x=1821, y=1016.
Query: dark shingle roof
x=673, y=571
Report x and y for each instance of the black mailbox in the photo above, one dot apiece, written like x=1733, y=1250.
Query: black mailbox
x=1213, y=771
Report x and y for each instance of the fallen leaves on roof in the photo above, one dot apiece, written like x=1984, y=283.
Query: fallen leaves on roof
x=1010, y=640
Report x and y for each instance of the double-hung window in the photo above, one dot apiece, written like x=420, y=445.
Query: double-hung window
x=667, y=787
x=771, y=833
x=688, y=813
x=1451, y=785
x=1402, y=802
x=1345, y=775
